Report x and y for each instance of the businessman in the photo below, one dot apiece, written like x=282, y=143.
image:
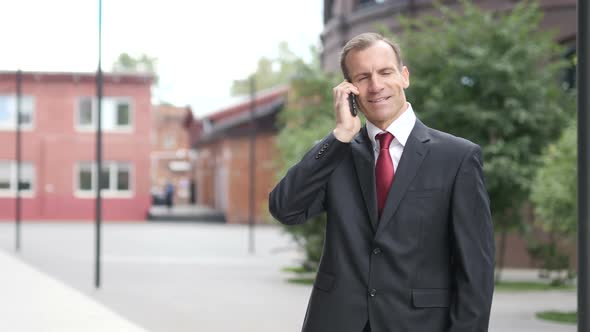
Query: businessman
x=409, y=241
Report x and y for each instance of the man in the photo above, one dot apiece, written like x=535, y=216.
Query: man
x=409, y=240
x=169, y=194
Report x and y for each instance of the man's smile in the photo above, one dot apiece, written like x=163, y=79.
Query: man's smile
x=378, y=100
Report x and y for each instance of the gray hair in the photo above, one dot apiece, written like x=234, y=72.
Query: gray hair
x=363, y=41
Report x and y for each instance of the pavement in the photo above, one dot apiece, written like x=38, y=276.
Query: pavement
x=190, y=213
x=176, y=277
x=33, y=302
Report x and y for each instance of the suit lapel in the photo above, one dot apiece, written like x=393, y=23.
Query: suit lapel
x=364, y=162
x=414, y=152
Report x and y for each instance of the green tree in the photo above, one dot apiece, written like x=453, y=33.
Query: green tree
x=307, y=118
x=272, y=72
x=554, y=188
x=141, y=64
x=554, y=196
x=493, y=79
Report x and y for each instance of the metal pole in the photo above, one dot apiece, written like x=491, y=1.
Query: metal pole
x=252, y=162
x=583, y=164
x=99, y=86
x=19, y=83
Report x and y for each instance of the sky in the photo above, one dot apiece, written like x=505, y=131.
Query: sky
x=201, y=46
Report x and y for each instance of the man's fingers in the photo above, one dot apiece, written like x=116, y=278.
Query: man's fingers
x=345, y=88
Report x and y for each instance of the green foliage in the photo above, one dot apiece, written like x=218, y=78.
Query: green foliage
x=555, y=264
x=554, y=196
x=272, y=72
x=140, y=64
x=493, y=79
x=307, y=118
x=554, y=188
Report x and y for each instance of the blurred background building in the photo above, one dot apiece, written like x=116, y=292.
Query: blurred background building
x=58, y=122
x=171, y=158
x=222, y=144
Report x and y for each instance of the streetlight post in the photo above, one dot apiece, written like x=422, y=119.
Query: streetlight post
x=583, y=164
x=252, y=213
x=98, y=211
x=19, y=83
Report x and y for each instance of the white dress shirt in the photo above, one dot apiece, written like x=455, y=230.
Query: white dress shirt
x=400, y=129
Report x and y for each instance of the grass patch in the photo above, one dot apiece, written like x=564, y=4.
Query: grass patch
x=301, y=280
x=510, y=286
x=295, y=269
x=302, y=276
x=568, y=317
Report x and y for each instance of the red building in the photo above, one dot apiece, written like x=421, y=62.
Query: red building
x=222, y=142
x=58, y=173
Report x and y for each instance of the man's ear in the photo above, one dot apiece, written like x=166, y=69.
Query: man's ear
x=406, y=76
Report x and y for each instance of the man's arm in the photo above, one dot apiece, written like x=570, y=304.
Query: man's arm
x=300, y=194
x=473, y=247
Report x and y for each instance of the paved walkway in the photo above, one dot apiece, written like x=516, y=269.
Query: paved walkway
x=180, y=277
x=31, y=301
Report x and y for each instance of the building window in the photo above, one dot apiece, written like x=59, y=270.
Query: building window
x=85, y=177
x=116, y=114
x=8, y=177
x=115, y=178
x=8, y=112
x=367, y=3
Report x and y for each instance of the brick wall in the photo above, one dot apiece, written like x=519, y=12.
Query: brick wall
x=223, y=176
x=171, y=144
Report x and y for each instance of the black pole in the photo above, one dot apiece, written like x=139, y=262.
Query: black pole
x=583, y=164
x=99, y=85
x=19, y=83
x=252, y=162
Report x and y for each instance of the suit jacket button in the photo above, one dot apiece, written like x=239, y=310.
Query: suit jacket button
x=376, y=251
x=373, y=292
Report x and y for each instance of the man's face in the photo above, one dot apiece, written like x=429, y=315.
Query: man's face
x=375, y=72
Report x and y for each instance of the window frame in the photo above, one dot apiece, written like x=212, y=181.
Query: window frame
x=129, y=128
x=112, y=191
x=23, y=126
x=11, y=191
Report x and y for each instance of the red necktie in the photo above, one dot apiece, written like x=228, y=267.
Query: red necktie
x=384, y=169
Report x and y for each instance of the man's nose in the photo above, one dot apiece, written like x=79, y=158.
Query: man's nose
x=375, y=84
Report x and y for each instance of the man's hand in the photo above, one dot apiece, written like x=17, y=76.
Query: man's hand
x=347, y=126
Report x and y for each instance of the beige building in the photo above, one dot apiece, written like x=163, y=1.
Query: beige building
x=171, y=157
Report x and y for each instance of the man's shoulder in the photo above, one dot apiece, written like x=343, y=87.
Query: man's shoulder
x=449, y=141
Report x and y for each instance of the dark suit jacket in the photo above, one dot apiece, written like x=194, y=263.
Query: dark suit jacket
x=427, y=264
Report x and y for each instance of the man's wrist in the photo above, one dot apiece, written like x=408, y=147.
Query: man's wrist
x=343, y=136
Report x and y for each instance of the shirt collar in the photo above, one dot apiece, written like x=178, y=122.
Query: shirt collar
x=400, y=128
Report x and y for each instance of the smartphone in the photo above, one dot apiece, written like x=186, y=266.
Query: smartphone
x=352, y=104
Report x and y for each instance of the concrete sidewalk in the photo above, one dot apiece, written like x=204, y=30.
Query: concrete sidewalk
x=34, y=302
x=185, y=277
